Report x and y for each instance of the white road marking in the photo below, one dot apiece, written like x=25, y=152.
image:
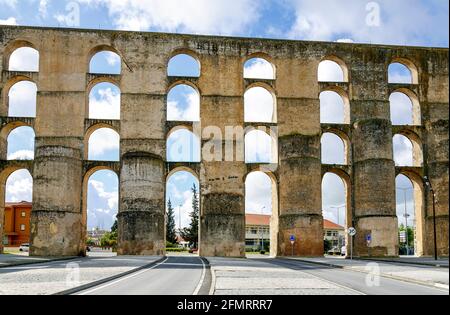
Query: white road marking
x=122, y=279
x=199, y=286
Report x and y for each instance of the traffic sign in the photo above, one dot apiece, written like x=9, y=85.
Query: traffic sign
x=369, y=237
x=292, y=238
x=352, y=231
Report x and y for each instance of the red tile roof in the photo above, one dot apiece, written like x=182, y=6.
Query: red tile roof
x=18, y=204
x=257, y=219
x=328, y=225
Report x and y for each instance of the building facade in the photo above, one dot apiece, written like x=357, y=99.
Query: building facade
x=16, y=228
x=257, y=232
x=334, y=233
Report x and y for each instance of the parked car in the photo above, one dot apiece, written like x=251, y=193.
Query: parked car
x=24, y=248
x=334, y=251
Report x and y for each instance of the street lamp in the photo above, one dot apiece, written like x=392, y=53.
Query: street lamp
x=433, y=194
x=338, y=208
x=406, y=216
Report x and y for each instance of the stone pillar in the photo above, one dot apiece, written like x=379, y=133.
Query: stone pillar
x=56, y=220
x=141, y=218
x=434, y=103
x=373, y=164
x=300, y=199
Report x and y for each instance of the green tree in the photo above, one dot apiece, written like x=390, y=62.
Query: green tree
x=115, y=227
x=190, y=234
x=170, y=227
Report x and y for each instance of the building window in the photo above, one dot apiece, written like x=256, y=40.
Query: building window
x=23, y=214
x=22, y=227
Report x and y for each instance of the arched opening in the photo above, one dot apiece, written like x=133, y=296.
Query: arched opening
x=259, y=68
x=402, y=71
x=332, y=69
x=334, y=149
x=259, y=148
x=183, y=211
x=259, y=105
x=21, y=144
x=183, y=65
x=183, y=103
x=410, y=213
x=405, y=108
x=103, y=145
x=104, y=102
x=22, y=98
x=334, y=108
x=24, y=59
x=183, y=146
x=105, y=62
x=407, y=150
x=18, y=197
x=100, y=208
x=336, y=213
x=261, y=214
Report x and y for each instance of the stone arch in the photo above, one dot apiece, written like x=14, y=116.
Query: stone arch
x=271, y=149
x=9, y=140
x=192, y=56
x=90, y=132
x=418, y=188
x=13, y=47
x=102, y=48
x=89, y=173
x=415, y=152
x=347, y=185
x=416, y=112
x=265, y=58
x=5, y=132
x=345, y=100
x=408, y=64
x=337, y=135
x=191, y=152
x=189, y=85
x=332, y=59
x=9, y=88
x=274, y=220
x=266, y=89
x=90, y=88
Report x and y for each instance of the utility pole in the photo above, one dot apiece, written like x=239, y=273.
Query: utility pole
x=179, y=219
x=433, y=194
x=262, y=231
x=339, y=221
x=406, y=215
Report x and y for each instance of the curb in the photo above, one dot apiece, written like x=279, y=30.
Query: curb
x=39, y=262
x=409, y=280
x=437, y=265
x=205, y=289
x=105, y=280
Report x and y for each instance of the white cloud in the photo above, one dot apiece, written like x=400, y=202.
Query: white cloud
x=9, y=21
x=330, y=71
x=192, y=111
x=331, y=108
x=22, y=99
x=111, y=197
x=401, y=109
x=401, y=22
x=19, y=187
x=258, y=194
x=21, y=155
x=9, y=3
x=258, y=69
x=195, y=16
x=102, y=142
x=43, y=4
x=403, y=151
x=24, y=59
x=105, y=104
x=258, y=147
x=259, y=105
x=333, y=150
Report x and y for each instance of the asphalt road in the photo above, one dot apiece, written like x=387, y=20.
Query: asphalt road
x=174, y=276
x=356, y=281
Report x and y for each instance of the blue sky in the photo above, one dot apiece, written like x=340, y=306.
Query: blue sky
x=403, y=22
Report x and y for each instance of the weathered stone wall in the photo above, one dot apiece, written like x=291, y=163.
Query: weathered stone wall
x=60, y=166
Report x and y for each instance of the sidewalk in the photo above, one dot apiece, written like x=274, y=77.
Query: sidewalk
x=420, y=274
x=9, y=260
x=424, y=261
x=54, y=277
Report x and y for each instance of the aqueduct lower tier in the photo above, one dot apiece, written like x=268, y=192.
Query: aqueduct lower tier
x=60, y=167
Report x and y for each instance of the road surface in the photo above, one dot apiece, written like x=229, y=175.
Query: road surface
x=178, y=275
x=357, y=281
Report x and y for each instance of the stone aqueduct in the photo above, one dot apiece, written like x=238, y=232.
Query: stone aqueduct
x=60, y=169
